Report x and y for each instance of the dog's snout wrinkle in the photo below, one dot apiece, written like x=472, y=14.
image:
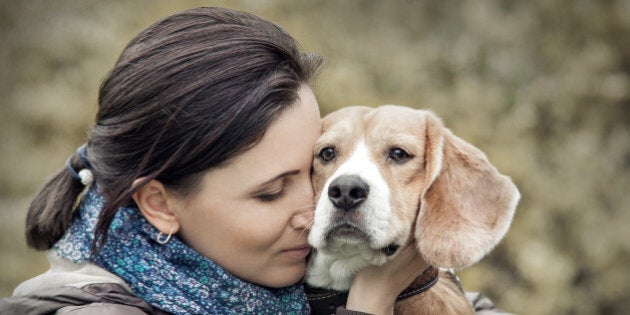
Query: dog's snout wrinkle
x=347, y=192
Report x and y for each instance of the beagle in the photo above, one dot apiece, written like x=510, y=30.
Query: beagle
x=391, y=175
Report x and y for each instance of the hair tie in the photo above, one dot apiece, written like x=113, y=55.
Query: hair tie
x=85, y=175
x=82, y=153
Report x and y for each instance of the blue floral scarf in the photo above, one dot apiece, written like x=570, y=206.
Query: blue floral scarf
x=172, y=277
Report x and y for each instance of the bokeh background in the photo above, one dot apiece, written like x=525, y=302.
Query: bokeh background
x=543, y=87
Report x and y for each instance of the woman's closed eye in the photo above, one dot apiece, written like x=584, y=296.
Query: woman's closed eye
x=275, y=188
x=270, y=196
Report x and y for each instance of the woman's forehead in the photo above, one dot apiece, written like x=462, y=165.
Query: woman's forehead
x=287, y=144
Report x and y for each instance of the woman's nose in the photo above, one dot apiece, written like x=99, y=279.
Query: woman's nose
x=303, y=220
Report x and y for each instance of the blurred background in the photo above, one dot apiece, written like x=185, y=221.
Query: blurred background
x=543, y=87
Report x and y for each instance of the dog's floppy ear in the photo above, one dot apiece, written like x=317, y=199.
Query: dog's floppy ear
x=466, y=204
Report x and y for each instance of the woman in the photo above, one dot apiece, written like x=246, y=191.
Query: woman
x=196, y=182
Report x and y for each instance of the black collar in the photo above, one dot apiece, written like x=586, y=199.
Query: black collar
x=324, y=301
x=423, y=282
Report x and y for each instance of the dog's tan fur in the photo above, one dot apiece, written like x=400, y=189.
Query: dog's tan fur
x=448, y=197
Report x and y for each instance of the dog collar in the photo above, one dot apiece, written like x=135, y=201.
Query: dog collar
x=325, y=301
x=422, y=283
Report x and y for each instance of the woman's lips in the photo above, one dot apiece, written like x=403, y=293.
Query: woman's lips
x=297, y=252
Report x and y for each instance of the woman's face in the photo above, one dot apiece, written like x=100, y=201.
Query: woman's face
x=250, y=216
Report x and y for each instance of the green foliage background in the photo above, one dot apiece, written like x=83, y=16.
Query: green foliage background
x=543, y=87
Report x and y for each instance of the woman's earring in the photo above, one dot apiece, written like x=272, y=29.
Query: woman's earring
x=163, y=240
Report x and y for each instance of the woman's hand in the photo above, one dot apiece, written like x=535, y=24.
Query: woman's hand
x=375, y=288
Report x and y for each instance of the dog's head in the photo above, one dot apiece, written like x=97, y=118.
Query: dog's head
x=385, y=175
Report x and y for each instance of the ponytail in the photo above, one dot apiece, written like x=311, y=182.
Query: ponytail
x=50, y=212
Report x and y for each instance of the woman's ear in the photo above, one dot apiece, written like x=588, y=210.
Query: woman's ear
x=466, y=204
x=157, y=207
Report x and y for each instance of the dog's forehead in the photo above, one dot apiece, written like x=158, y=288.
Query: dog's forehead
x=346, y=117
x=395, y=119
x=386, y=120
x=344, y=124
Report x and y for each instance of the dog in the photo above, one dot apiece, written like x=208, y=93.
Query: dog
x=391, y=175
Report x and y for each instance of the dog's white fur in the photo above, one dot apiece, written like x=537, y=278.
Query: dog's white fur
x=448, y=196
x=351, y=254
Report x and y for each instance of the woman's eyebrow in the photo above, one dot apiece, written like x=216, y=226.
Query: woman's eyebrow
x=284, y=174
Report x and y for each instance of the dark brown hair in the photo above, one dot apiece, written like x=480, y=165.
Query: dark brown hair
x=187, y=94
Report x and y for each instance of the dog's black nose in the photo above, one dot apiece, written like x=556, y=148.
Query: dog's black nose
x=347, y=192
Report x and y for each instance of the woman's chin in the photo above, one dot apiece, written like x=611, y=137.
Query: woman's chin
x=283, y=277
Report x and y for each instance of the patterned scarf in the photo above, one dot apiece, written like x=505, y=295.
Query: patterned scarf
x=172, y=277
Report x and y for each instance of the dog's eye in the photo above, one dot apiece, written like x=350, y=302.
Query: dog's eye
x=399, y=155
x=327, y=154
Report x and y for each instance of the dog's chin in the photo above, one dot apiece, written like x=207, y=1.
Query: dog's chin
x=344, y=237
x=347, y=234
x=345, y=249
